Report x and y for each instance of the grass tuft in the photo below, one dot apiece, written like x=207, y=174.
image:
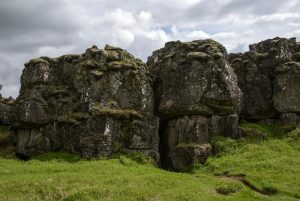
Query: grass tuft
x=269, y=190
x=228, y=188
x=58, y=157
x=223, y=145
x=134, y=158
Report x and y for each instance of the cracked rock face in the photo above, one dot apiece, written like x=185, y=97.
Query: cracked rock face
x=94, y=104
x=286, y=96
x=194, y=78
x=196, y=92
x=269, y=77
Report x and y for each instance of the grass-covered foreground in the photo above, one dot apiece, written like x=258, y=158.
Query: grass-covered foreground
x=263, y=166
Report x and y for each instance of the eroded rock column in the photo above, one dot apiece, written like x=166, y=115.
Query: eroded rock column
x=197, y=97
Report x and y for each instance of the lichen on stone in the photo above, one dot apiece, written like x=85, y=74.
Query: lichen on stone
x=198, y=55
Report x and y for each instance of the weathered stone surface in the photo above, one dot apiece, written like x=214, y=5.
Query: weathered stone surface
x=269, y=78
x=225, y=126
x=193, y=84
x=290, y=118
x=94, y=104
x=103, y=101
x=286, y=96
x=197, y=130
x=200, y=129
x=6, y=107
x=188, y=129
x=194, y=78
x=183, y=156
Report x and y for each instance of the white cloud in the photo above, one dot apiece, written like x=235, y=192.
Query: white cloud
x=35, y=28
x=145, y=16
x=280, y=17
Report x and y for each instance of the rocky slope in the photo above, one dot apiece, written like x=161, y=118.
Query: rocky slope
x=105, y=101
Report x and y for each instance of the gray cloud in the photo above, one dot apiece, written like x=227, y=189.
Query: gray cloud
x=254, y=7
x=33, y=28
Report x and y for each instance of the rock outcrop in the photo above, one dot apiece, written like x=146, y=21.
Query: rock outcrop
x=197, y=96
x=269, y=76
x=94, y=104
x=105, y=101
x=6, y=107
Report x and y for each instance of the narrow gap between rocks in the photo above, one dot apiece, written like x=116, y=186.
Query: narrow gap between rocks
x=163, y=145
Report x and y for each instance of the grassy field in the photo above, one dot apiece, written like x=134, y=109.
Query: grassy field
x=263, y=166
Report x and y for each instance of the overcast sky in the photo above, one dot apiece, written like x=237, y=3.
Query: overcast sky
x=33, y=28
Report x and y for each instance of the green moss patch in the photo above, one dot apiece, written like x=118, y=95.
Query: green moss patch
x=198, y=55
x=117, y=113
x=228, y=188
x=124, y=64
x=73, y=118
x=223, y=145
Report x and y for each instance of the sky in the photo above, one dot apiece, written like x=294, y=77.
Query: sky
x=34, y=28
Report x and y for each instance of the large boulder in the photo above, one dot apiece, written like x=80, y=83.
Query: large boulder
x=194, y=78
x=268, y=75
x=94, y=104
x=196, y=93
x=185, y=156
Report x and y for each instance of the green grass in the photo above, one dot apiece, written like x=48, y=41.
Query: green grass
x=271, y=164
x=228, y=188
x=268, y=158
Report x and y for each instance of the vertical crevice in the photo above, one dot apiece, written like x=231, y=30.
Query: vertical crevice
x=163, y=144
x=163, y=123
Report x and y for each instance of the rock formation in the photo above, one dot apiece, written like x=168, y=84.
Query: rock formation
x=197, y=97
x=269, y=76
x=105, y=101
x=94, y=104
x=6, y=107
